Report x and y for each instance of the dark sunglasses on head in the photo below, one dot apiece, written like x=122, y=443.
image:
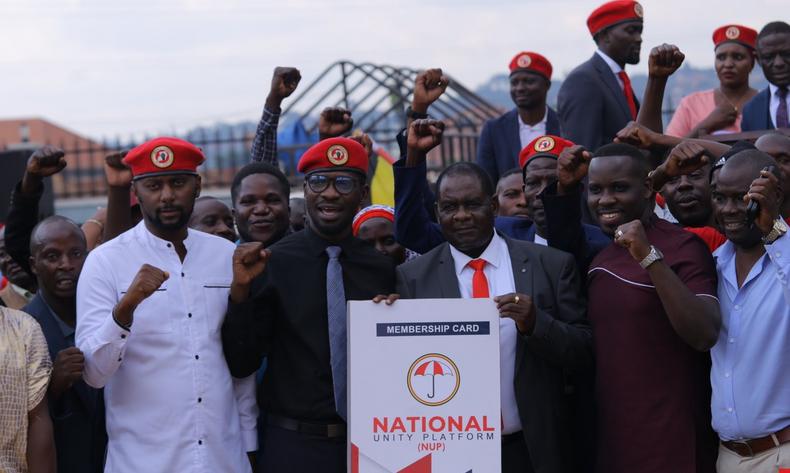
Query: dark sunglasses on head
x=343, y=184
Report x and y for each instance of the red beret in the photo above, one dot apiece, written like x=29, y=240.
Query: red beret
x=611, y=13
x=735, y=34
x=529, y=61
x=164, y=155
x=372, y=211
x=547, y=146
x=334, y=154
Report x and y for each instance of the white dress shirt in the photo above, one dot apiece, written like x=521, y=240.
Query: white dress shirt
x=499, y=273
x=527, y=133
x=616, y=69
x=773, y=105
x=172, y=405
x=539, y=240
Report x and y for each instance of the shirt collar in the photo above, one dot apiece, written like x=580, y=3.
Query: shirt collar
x=155, y=242
x=616, y=69
x=493, y=254
x=773, y=88
x=542, y=122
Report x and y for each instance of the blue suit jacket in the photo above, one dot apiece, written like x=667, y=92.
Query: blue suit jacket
x=500, y=143
x=756, y=112
x=78, y=416
x=592, y=105
x=415, y=230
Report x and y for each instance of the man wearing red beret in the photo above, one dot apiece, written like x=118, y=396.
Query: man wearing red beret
x=150, y=304
x=288, y=304
x=596, y=100
x=502, y=138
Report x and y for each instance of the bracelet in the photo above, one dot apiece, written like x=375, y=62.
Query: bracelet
x=93, y=220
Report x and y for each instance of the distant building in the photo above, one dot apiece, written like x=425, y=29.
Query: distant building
x=84, y=174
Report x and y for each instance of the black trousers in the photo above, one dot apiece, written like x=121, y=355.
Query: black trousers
x=515, y=456
x=287, y=451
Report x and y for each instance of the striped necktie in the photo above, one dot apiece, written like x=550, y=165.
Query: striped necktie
x=336, y=311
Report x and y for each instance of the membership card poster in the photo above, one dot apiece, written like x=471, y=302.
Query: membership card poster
x=424, y=386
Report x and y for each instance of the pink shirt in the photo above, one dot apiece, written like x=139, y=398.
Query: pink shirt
x=692, y=110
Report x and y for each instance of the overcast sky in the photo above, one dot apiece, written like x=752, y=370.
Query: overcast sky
x=109, y=67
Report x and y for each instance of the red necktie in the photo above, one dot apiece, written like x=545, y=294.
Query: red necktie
x=629, y=92
x=479, y=280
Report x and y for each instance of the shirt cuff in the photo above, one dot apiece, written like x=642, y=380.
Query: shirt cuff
x=115, y=335
x=249, y=439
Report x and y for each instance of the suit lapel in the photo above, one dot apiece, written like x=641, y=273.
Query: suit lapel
x=448, y=281
x=608, y=78
x=768, y=123
x=522, y=278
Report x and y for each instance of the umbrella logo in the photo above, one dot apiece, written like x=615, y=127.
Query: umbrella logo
x=433, y=379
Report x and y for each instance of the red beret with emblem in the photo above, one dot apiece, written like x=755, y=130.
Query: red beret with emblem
x=529, y=61
x=546, y=146
x=612, y=13
x=162, y=156
x=334, y=154
x=735, y=34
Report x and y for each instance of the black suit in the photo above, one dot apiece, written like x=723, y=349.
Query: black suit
x=560, y=344
x=285, y=319
x=78, y=416
x=592, y=105
x=757, y=112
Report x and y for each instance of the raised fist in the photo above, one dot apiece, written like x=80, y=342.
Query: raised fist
x=424, y=135
x=334, y=122
x=284, y=83
x=146, y=282
x=249, y=260
x=664, y=60
x=118, y=175
x=572, y=166
x=636, y=135
x=43, y=162
x=428, y=87
x=365, y=141
x=685, y=158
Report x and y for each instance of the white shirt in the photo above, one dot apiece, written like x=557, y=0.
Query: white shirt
x=499, y=273
x=170, y=400
x=616, y=69
x=527, y=133
x=539, y=240
x=773, y=105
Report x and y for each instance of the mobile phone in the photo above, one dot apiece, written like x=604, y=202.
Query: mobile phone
x=753, y=209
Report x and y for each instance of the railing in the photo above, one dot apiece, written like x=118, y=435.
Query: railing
x=225, y=155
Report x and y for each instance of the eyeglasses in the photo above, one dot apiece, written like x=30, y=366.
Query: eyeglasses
x=343, y=184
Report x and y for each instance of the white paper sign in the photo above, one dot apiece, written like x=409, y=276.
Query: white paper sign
x=424, y=386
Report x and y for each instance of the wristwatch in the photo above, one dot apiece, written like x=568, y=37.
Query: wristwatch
x=412, y=115
x=651, y=257
x=779, y=229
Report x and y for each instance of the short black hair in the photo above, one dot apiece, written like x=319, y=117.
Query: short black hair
x=751, y=161
x=773, y=28
x=508, y=173
x=35, y=239
x=467, y=169
x=259, y=168
x=622, y=149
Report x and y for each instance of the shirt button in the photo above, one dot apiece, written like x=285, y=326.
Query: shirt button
x=123, y=335
x=119, y=358
x=726, y=375
x=778, y=255
x=732, y=340
x=200, y=399
x=200, y=442
x=189, y=315
x=169, y=245
x=197, y=357
x=737, y=307
x=182, y=275
x=729, y=409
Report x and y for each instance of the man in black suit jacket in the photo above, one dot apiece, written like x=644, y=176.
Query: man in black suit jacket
x=765, y=111
x=538, y=288
x=58, y=250
x=596, y=99
x=503, y=138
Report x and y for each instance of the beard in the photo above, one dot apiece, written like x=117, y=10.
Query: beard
x=181, y=222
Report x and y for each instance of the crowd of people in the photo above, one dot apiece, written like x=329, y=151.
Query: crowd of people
x=640, y=274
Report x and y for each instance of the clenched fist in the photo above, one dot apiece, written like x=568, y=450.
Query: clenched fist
x=117, y=173
x=249, y=260
x=429, y=85
x=664, y=60
x=572, y=166
x=43, y=162
x=334, y=121
x=284, y=83
x=66, y=370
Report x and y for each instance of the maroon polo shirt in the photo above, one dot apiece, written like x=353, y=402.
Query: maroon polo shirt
x=652, y=389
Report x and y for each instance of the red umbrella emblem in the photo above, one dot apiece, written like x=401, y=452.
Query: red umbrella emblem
x=433, y=368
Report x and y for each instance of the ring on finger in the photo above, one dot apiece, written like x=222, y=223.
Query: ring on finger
x=517, y=299
x=618, y=233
